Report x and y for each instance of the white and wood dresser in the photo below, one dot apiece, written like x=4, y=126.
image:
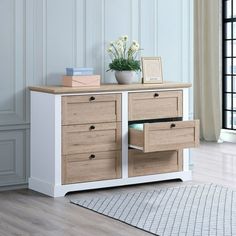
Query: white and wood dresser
x=113, y=135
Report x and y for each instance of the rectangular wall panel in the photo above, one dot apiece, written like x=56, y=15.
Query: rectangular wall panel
x=118, y=22
x=12, y=62
x=13, y=157
x=7, y=102
x=148, y=27
x=80, y=32
x=60, y=45
x=170, y=38
x=94, y=35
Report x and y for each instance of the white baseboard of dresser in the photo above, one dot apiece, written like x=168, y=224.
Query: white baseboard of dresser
x=62, y=190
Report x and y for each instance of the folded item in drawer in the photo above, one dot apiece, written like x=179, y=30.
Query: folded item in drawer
x=136, y=126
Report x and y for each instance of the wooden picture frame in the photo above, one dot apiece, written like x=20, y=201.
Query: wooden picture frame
x=152, y=70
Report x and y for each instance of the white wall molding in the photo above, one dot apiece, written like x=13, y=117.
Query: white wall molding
x=103, y=65
x=39, y=39
x=14, y=127
x=44, y=34
x=92, y=24
x=13, y=187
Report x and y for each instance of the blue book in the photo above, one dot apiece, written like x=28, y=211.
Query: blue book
x=79, y=71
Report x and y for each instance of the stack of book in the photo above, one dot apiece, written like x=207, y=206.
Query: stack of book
x=81, y=77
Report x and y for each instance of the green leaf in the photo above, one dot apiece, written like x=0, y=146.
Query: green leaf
x=122, y=64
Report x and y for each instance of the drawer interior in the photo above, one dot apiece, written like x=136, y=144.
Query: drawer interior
x=152, y=137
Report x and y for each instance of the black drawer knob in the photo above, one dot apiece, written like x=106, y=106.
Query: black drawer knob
x=172, y=125
x=92, y=127
x=92, y=98
x=92, y=157
x=156, y=95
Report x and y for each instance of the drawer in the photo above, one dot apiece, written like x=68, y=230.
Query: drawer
x=152, y=137
x=155, y=105
x=141, y=164
x=91, y=167
x=85, y=109
x=91, y=138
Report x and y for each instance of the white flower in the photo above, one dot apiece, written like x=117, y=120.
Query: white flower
x=137, y=46
x=119, y=45
x=134, y=47
x=120, y=49
x=135, y=42
x=109, y=49
x=124, y=38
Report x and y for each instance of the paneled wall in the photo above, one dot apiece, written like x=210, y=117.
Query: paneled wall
x=39, y=38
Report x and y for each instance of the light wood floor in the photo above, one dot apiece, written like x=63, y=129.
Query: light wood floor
x=24, y=212
x=215, y=163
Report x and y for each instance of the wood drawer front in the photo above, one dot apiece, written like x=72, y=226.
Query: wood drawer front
x=155, y=105
x=165, y=136
x=91, y=138
x=84, y=109
x=81, y=168
x=141, y=164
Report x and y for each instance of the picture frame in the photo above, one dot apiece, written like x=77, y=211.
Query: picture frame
x=152, y=70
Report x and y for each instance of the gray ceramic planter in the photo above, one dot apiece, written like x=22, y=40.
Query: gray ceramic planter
x=125, y=77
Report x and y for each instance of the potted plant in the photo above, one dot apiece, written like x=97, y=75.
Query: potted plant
x=124, y=59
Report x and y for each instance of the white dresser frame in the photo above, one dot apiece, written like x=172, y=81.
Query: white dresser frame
x=45, y=153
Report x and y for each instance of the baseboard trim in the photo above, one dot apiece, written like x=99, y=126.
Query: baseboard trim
x=61, y=190
x=13, y=187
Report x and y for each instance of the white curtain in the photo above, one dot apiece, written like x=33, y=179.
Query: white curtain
x=207, y=67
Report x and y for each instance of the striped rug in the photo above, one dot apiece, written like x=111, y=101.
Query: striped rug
x=191, y=210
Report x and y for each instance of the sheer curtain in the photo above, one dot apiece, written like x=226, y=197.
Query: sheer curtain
x=207, y=67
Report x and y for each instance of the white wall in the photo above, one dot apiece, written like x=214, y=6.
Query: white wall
x=39, y=38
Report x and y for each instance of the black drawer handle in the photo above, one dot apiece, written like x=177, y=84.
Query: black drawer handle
x=92, y=127
x=172, y=125
x=156, y=95
x=92, y=157
x=92, y=98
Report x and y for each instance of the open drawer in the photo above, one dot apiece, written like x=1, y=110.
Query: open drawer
x=153, y=137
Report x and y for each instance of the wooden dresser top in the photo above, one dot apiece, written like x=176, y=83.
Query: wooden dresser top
x=108, y=88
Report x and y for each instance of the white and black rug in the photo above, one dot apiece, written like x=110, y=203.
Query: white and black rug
x=191, y=210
